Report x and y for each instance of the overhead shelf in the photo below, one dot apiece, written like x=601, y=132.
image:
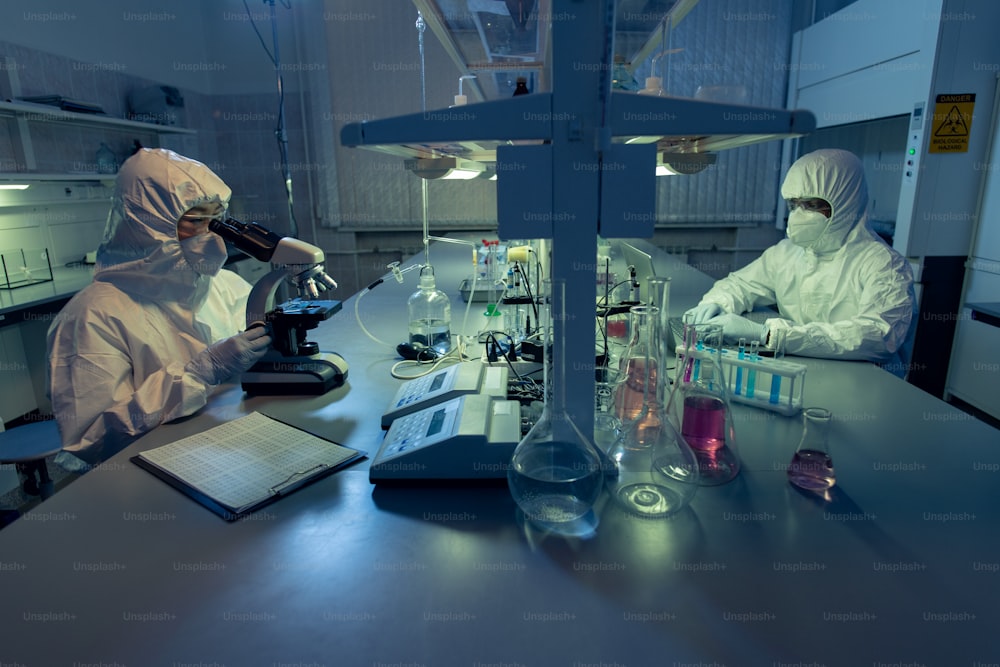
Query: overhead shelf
x=676, y=125
x=35, y=177
x=47, y=113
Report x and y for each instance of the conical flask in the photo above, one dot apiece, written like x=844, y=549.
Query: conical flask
x=555, y=475
x=699, y=405
x=812, y=466
x=651, y=470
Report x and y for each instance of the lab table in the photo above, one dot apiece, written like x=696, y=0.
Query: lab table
x=900, y=565
x=23, y=303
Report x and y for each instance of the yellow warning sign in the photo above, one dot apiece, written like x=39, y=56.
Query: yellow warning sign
x=951, y=123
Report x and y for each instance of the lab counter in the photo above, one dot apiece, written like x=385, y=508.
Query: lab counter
x=899, y=566
x=19, y=303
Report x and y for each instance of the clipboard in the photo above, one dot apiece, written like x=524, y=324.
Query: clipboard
x=238, y=467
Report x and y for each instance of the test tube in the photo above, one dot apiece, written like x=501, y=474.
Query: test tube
x=752, y=375
x=741, y=355
x=775, y=388
x=698, y=345
x=778, y=344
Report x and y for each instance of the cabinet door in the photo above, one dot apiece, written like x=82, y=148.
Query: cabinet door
x=17, y=396
x=975, y=364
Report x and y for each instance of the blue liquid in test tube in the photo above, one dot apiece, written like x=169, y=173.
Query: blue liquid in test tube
x=779, y=353
x=739, y=369
x=752, y=374
x=775, y=388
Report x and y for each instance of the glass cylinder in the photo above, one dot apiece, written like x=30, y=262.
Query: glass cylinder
x=659, y=296
x=555, y=475
x=699, y=405
x=651, y=470
x=812, y=466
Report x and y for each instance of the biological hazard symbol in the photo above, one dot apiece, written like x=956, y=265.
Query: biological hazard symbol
x=952, y=121
x=953, y=125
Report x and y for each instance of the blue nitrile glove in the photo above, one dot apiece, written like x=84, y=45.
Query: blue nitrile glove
x=702, y=313
x=230, y=356
x=735, y=327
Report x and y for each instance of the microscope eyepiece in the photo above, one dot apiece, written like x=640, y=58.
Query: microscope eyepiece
x=253, y=239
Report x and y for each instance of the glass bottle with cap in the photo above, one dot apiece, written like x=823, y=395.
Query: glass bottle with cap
x=429, y=311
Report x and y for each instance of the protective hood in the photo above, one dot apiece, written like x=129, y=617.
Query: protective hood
x=140, y=253
x=838, y=177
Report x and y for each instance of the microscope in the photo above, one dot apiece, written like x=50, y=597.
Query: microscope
x=293, y=365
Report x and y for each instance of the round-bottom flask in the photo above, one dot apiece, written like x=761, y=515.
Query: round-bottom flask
x=652, y=472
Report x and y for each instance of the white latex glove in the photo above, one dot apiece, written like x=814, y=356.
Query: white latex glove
x=735, y=327
x=702, y=313
x=230, y=356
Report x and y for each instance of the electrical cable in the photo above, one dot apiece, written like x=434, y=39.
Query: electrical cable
x=279, y=132
x=496, y=343
x=455, y=355
x=397, y=273
x=357, y=315
x=527, y=288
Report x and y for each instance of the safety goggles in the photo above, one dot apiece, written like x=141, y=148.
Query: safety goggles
x=810, y=204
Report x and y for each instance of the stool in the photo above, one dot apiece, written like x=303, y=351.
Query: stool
x=26, y=447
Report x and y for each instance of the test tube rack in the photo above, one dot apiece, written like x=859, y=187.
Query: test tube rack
x=771, y=384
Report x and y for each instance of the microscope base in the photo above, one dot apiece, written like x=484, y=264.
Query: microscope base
x=296, y=376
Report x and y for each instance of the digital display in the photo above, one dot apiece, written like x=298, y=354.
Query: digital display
x=438, y=381
x=436, y=421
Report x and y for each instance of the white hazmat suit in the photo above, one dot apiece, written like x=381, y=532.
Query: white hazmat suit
x=160, y=325
x=840, y=290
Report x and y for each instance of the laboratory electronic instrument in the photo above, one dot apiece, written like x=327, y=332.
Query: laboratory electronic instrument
x=468, y=377
x=465, y=439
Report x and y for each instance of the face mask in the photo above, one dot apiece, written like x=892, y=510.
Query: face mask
x=205, y=253
x=805, y=227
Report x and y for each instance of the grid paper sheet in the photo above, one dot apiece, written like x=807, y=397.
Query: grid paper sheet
x=244, y=461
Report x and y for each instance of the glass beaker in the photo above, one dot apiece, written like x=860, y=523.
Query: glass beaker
x=555, y=475
x=651, y=470
x=699, y=405
x=812, y=466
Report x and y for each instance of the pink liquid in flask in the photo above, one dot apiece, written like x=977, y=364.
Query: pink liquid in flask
x=811, y=470
x=704, y=422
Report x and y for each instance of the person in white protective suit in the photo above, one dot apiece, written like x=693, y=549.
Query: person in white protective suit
x=161, y=324
x=841, y=292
